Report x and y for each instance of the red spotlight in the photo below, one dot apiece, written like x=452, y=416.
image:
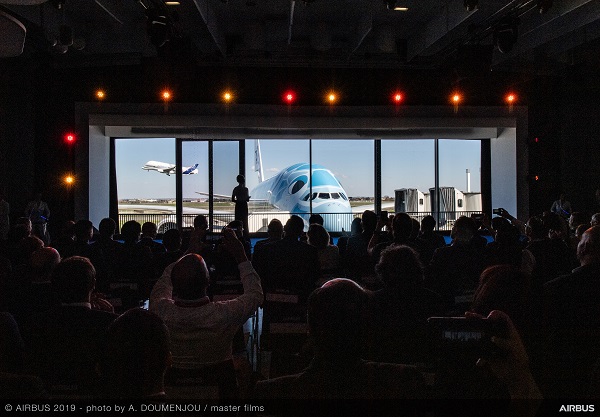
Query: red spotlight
x=511, y=98
x=70, y=138
x=537, y=140
x=289, y=97
x=397, y=97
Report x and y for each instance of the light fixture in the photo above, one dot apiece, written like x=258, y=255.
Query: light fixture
x=69, y=179
x=390, y=4
x=172, y=3
x=166, y=95
x=227, y=96
x=397, y=97
x=331, y=97
x=544, y=5
x=471, y=5
x=289, y=97
x=511, y=98
x=401, y=9
x=505, y=34
x=100, y=94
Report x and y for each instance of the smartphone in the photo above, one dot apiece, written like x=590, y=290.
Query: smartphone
x=497, y=211
x=460, y=337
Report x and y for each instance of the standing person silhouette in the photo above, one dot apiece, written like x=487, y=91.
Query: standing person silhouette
x=240, y=197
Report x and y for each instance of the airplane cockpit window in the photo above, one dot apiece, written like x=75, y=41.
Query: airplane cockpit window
x=324, y=196
x=305, y=198
x=344, y=196
x=297, y=184
x=335, y=196
x=314, y=195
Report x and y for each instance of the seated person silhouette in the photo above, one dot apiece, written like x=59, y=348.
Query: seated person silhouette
x=135, y=356
x=336, y=319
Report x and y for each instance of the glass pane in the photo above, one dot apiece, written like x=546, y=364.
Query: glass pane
x=460, y=179
x=284, y=165
x=407, y=175
x=226, y=169
x=194, y=182
x=145, y=180
x=343, y=180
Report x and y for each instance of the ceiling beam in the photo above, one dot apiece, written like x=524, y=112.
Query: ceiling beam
x=210, y=19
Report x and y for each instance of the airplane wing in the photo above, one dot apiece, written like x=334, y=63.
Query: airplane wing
x=214, y=194
x=167, y=171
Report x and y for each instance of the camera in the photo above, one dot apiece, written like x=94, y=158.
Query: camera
x=455, y=338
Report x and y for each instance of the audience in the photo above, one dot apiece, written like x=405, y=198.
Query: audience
x=64, y=342
x=328, y=254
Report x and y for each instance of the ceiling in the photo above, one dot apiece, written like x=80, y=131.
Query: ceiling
x=313, y=33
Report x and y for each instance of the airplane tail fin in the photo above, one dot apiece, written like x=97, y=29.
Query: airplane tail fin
x=190, y=169
x=258, y=167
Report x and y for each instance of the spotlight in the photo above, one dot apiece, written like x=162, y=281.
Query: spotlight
x=70, y=138
x=390, y=4
x=471, y=5
x=166, y=95
x=100, y=94
x=289, y=97
x=69, y=180
x=397, y=98
x=511, y=98
x=158, y=27
x=456, y=98
x=544, y=5
x=227, y=96
x=331, y=97
x=505, y=34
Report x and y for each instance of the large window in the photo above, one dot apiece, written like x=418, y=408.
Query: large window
x=284, y=165
x=194, y=186
x=145, y=179
x=407, y=175
x=342, y=180
x=460, y=179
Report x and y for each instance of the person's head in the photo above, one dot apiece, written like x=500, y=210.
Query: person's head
x=73, y=280
x=149, y=229
x=588, y=249
x=172, y=240
x=535, y=228
x=189, y=277
x=107, y=228
x=316, y=218
x=399, y=268
x=556, y=225
x=369, y=221
x=580, y=230
x=84, y=230
x=416, y=226
x=501, y=287
x=336, y=319
x=130, y=231
x=240, y=179
x=427, y=224
x=318, y=236
x=294, y=227
x=576, y=218
x=238, y=227
x=402, y=227
x=356, y=226
x=135, y=356
x=595, y=221
x=200, y=222
x=28, y=245
x=275, y=229
x=463, y=230
x=42, y=263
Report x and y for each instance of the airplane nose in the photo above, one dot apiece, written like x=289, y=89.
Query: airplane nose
x=336, y=218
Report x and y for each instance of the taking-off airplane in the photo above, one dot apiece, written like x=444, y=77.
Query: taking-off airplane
x=168, y=169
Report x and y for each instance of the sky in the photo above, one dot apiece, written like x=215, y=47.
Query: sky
x=405, y=164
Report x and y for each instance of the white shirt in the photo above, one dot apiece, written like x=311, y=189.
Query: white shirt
x=202, y=335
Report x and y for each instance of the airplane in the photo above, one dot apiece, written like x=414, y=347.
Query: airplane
x=290, y=190
x=168, y=169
